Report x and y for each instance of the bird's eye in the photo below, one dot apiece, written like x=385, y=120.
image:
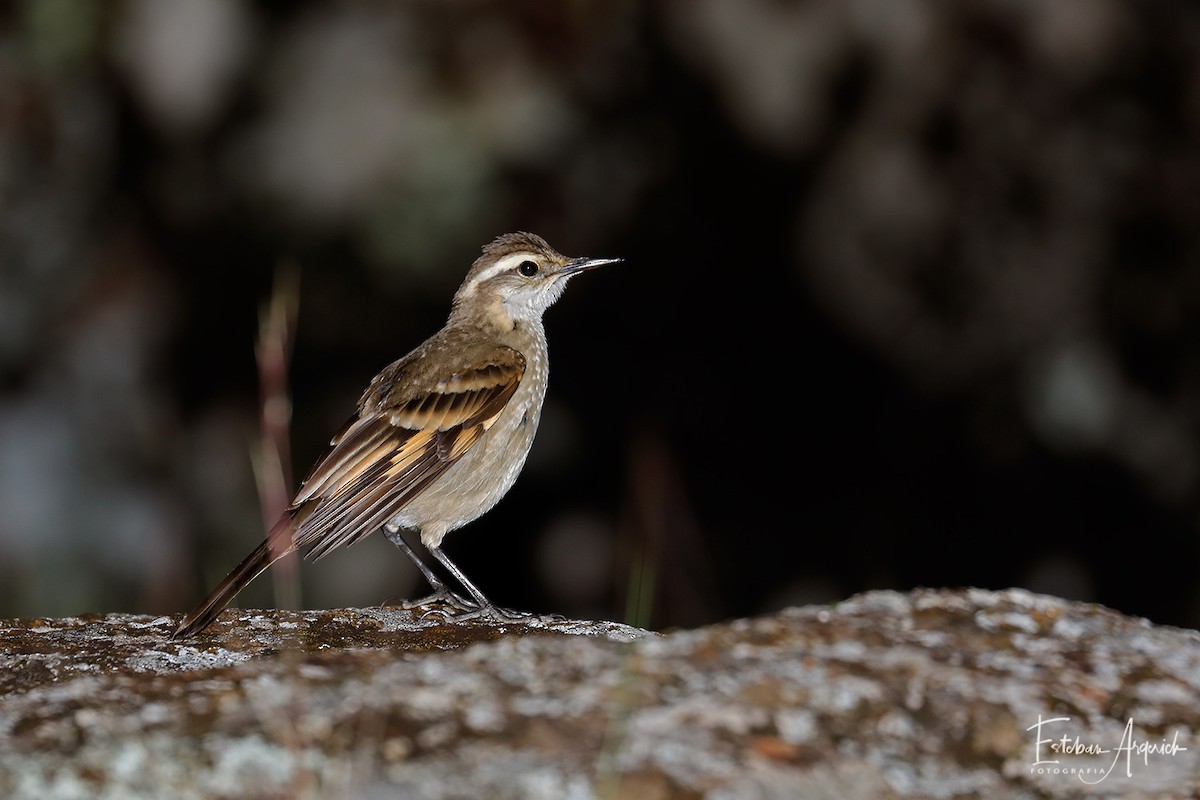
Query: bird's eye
x=528, y=268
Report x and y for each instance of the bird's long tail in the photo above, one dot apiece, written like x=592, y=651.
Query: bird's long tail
x=277, y=545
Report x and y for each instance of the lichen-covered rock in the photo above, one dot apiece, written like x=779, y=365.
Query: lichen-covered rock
x=933, y=694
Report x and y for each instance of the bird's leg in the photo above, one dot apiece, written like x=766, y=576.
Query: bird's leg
x=441, y=592
x=482, y=607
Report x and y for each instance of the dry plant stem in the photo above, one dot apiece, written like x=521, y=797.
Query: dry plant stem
x=273, y=355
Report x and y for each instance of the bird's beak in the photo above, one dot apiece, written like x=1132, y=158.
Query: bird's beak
x=582, y=264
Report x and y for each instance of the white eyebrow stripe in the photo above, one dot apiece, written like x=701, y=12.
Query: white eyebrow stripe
x=503, y=265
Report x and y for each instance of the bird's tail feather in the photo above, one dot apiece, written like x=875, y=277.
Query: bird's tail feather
x=277, y=545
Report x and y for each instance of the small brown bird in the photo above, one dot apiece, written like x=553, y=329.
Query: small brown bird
x=440, y=435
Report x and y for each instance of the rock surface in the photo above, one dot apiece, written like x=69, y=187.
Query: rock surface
x=930, y=694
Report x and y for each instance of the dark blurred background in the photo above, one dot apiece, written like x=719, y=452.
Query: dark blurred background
x=911, y=293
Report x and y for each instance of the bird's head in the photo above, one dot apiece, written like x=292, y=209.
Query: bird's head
x=520, y=276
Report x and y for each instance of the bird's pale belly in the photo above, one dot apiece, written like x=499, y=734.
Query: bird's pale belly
x=479, y=479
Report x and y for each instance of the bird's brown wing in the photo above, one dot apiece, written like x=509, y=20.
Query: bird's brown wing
x=395, y=447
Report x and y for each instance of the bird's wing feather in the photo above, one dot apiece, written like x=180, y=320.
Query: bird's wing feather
x=391, y=451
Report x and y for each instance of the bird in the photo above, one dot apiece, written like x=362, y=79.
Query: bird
x=439, y=436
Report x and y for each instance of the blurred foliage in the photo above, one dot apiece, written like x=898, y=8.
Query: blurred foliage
x=911, y=292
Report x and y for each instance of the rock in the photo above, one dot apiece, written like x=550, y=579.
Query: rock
x=930, y=694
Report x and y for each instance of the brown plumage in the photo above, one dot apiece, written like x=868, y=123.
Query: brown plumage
x=439, y=436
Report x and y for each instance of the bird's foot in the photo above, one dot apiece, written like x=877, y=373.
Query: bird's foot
x=453, y=607
x=441, y=603
x=498, y=614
